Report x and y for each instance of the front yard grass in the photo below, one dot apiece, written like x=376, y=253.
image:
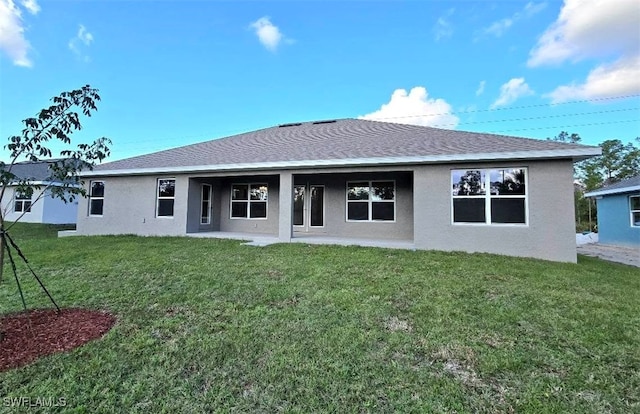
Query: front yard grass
x=208, y=325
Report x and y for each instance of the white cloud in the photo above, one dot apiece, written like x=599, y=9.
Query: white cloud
x=594, y=29
x=498, y=28
x=268, y=33
x=511, y=91
x=81, y=41
x=31, y=5
x=415, y=108
x=443, y=28
x=84, y=36
x=480, y=89
x=589, y=28
x=12, y=39
x=617, y=79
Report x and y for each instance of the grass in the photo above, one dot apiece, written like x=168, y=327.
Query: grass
x=216, y=326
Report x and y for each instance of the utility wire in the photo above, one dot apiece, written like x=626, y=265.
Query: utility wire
x=568, y=126
x=140, y=144
x=471, y=111
x=539, y=117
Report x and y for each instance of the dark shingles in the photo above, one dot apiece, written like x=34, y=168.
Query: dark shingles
x=33, y=171
x=621, y=185
x=343, y=139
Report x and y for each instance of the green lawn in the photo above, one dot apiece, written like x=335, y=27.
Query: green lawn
x=213, y=325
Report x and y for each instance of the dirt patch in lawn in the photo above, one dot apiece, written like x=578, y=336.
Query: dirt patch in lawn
x=27, y=336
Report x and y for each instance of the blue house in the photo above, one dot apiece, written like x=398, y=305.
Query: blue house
x=619, y=212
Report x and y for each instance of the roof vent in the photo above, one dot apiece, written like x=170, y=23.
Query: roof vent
x=289, y=125
x=328, y=121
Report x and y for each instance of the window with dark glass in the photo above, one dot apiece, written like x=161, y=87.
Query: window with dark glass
x=489, y=196
x=468, y=190
x=371, y=201
x=298, y=205
x=205, y=206
x=249, y=201
x=96, y=198
x=317, y=206
x=22, y=202
x=166, y=197
x=634, y=207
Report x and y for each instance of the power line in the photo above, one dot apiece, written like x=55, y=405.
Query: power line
x=179, y=141
x=568, y=126
x=538, y=117
x=509, y=108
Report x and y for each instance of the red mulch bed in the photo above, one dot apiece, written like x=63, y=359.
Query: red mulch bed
x=39, y=332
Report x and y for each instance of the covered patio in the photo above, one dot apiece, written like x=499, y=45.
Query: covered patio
x=371, y=207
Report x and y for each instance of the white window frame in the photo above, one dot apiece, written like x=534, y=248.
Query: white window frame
x=22, y=200
x=92, y=197
x=631, y=211
x=488, y=197
x=370, y=201
x=208, y=201
x=158, y=197
x=248, y=201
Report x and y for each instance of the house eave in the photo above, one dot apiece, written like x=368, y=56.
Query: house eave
x=575, y=154
x=42, y=184
x=622, y=190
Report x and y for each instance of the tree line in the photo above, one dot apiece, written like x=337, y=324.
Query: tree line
x=618, y=161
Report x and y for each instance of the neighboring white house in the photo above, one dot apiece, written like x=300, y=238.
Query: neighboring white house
x=38, y=207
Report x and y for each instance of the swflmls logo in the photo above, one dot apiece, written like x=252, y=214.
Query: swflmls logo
x=34, y=402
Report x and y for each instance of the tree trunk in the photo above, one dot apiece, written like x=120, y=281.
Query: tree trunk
x=2, y=247
x=1, y=257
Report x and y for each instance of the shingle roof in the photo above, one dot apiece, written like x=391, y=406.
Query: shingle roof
x=623, y=186
x=340, y=142
x=33, y=171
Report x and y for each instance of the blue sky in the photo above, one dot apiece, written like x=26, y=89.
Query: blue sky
x=173, y=73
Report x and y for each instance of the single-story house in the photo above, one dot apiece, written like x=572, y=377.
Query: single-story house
x=40, y=206
x=349, y=179
x=619, y=212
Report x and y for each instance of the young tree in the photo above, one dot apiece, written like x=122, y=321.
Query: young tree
x=618, y=161
x=55, y=123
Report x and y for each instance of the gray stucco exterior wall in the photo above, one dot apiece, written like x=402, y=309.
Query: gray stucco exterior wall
x=130, y=207
x=267, y=226
x=335, y=202
x=286, y=206
x=423, y=208
x=549, y=234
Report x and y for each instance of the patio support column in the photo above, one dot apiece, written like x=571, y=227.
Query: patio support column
x=286, y=207
x=421, y=208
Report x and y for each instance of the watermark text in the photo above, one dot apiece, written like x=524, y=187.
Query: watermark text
x=21, y=402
